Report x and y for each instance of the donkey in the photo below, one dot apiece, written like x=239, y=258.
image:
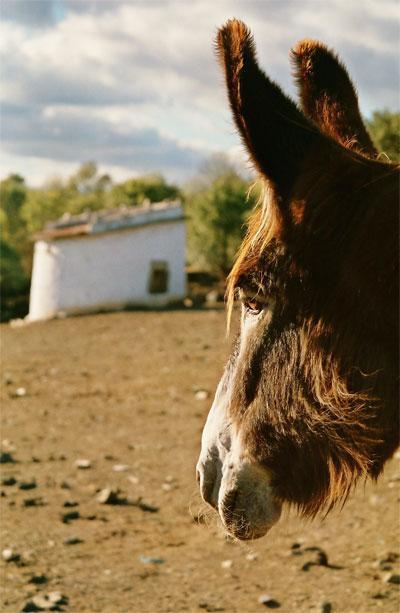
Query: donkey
x=307, y=404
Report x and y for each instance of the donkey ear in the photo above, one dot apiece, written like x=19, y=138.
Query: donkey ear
x=328, y=96
x=276, y=134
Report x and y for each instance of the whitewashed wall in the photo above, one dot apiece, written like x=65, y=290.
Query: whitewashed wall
x=106, y=270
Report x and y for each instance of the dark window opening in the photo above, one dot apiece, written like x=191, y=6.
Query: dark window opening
x=159, y=276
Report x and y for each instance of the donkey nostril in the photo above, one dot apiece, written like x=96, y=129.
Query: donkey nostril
x=198, y=477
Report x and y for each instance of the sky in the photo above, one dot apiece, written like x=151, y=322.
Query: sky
x=135, y=86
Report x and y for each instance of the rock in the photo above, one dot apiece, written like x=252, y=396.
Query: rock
x=28, y=485
x=326, y=607
x=46, y=602
x=20, y=392
x=73, y=540
x=6, y=458
x=392, y=578
x=65, y=485
x=70, y=504
x=145, y=506
x=82, y=463
x=66, y=518
x=188, y=303
x=251, y=556
x=9, y=555
x=227, y=564
x=132, y=479
x=202, y=395
x=269, y=602
x=120, y=468
x=38, y=579
x=109, y=496
x=210, y=608
x=33, y=502
x=7, y=445
x=151, y=560
x=8, y=481
x=320, y=558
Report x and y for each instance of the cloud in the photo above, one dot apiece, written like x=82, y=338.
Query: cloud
x=136, y=83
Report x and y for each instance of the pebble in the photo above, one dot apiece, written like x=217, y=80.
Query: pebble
x=132, y=479
x=268, y=601
x=326, y=607
x=73, y=540
x=20, y=392
x=6, y=458
x=252, y=556
x=201, y=395
x=46, y=602
x=392, y=578
x=28, y=485
x=66, y=518
x=70, y=504
x=82, y=463
x=33, y=502
x=8, y=481
x=227, y=564
x=38, y=579
x=120, y=468
x=109, y=496
x=151, y=560
x=9, y=555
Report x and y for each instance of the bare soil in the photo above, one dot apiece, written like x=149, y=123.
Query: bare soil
x=121, y=389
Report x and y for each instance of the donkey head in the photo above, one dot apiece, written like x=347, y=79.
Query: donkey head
x=307, y=402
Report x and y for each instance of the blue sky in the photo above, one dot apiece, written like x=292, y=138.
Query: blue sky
x=135, y=85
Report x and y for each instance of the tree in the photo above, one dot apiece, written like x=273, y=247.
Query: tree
x=385, y=131
x=133, y=192
x=217, y=206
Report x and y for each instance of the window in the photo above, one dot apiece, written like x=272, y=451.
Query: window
x=159, y=275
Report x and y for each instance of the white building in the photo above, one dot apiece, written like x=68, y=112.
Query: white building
x=108, y=260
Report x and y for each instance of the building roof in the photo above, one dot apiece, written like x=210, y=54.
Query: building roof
x=109, y=220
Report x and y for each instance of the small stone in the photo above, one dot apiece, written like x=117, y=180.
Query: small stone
x=151, y=560
x=38, y=579
x=8, y=445
x=20, y=392
x=73, y=540
x=326, y=607
x=188, y=303
x=145, y=506
x=82, y=463
x=28, y=485
x=392, y=578
x=33, y=502
x=109, y=496
x=65, y=485
x=9, y=555
x=46, y=602
x=269, y=602
x=132, y=479
x=66, y=518
x=201, y=395
x=251, y=556
x=227, y=564
x=6, y=458
x=70, y=504
x=120, y=468
x=8, y=481
x=167, y=487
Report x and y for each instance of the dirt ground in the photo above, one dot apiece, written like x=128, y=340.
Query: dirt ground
x=120, y=389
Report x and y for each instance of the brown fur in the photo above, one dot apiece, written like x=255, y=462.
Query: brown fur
x=315, y=395
x=328, y=96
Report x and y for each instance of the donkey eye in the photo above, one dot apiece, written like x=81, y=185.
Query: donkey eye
x=253, y=306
